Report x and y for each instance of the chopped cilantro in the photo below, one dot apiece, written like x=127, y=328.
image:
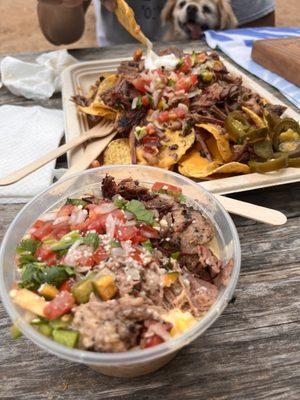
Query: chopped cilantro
x=170, y=82
x=180, y=63
x=115, y=243
x=139, y=102
x=148, y=246
x=26, y=258
x=175, y=255
x=35, y=274
x=28, y=246
x=120, y=203
x=91, y=239
x=76, y=202
x=182, y=198
x=150, y=98
x=141, y=213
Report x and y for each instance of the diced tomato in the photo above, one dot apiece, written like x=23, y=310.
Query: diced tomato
x=136, y=255
x=125, y=232
x=60, y=230
x=44, y=253
x=138, y=238
x=43, y=231
x=60, y=305
x=186, y=83
x=201, y=58
x=145, y=101
x=67, y=285
x=187, y=64
x=161, y=185
x=163, y=116
x=38, y=224
x=100, y=255
x=193, y=79
x=153, y=341
x=180, y=113
x=148, y=232
x=86, y=261
x=66, y=210
x=150, y=129
x=139, y=84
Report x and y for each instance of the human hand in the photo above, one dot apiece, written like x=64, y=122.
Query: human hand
x=110, y=5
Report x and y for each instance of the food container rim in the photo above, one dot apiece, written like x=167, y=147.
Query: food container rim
x=133, y=356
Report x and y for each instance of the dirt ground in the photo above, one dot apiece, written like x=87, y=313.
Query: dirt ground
x=20, y=32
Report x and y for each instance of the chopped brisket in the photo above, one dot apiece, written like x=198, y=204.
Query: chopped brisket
x=109, y=187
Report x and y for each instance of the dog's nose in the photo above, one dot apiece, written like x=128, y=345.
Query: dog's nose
x=191, y=10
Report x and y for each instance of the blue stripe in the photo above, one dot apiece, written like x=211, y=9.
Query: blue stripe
x=237, y=44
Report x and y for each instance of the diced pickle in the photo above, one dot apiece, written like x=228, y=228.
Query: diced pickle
x=59, y=323
x=105, y=287
x=66, y=337
x=82, y=291
x=207, y=76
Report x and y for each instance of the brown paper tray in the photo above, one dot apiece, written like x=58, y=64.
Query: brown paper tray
x=82, y=75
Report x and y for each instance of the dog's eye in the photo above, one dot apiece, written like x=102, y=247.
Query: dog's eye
x=206, y=10
x=182, y=4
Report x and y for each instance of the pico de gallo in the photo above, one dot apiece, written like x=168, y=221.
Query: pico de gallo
x=129, y=269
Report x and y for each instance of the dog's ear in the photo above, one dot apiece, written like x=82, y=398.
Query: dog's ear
x=227, y=18
x=167, y=12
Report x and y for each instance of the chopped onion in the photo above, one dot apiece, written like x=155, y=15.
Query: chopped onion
x=110, y=226
x=194, y=93
x=78, y=217
x=129, y=215
x=50, y=216
x=159, y=330
x=59, y=220
x=104, y=208
x=134, y=103
x=117, y=252
x=183, y=107
x=156, y=97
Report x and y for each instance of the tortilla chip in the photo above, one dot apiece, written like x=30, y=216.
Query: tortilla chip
x=125, y=15
x=100, y=110
x=194, y=165
x=254, y=117
x=220, y=150
x=166, y=157
x=117, y=152
x=105, y=85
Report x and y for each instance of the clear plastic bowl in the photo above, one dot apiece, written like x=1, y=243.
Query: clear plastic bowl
x=135, y=362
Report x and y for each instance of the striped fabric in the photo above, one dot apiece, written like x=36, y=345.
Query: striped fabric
x=237, y=44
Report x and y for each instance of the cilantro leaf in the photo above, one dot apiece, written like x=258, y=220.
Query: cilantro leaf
x=115, y=243
x=148, y=246
x=120, y=203
x=35, y=274
x=28, y=246
x=76, y=202
x=175, y=255
x=91, y=239
x=141, y=213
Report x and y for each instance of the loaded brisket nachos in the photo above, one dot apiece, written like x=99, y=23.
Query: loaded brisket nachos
x=194, y=117
x=130, y=268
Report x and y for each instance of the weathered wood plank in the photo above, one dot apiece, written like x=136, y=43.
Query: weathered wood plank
x=252, y=352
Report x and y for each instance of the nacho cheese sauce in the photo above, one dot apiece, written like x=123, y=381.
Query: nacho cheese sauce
x=130, y=269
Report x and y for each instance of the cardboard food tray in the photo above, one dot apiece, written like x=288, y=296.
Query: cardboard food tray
x=79, y=77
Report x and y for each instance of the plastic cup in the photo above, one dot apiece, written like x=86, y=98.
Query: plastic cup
x=135, y=362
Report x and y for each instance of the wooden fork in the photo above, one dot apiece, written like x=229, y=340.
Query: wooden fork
x=104, y=128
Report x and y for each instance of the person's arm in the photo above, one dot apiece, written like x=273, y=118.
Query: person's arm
x=62, y=21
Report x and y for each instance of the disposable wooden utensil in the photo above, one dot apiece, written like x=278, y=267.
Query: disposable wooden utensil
x=102, y=129
x=252, y=211
x=91, y=152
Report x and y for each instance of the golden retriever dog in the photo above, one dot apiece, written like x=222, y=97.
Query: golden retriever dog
x=187, y=19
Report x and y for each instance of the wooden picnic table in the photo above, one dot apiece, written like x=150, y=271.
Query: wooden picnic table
x=251, y=352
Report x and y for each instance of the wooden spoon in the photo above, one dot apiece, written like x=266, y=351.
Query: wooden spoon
x=102, y=129
x=252, y=211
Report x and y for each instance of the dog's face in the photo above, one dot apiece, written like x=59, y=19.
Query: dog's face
x=191, y=17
